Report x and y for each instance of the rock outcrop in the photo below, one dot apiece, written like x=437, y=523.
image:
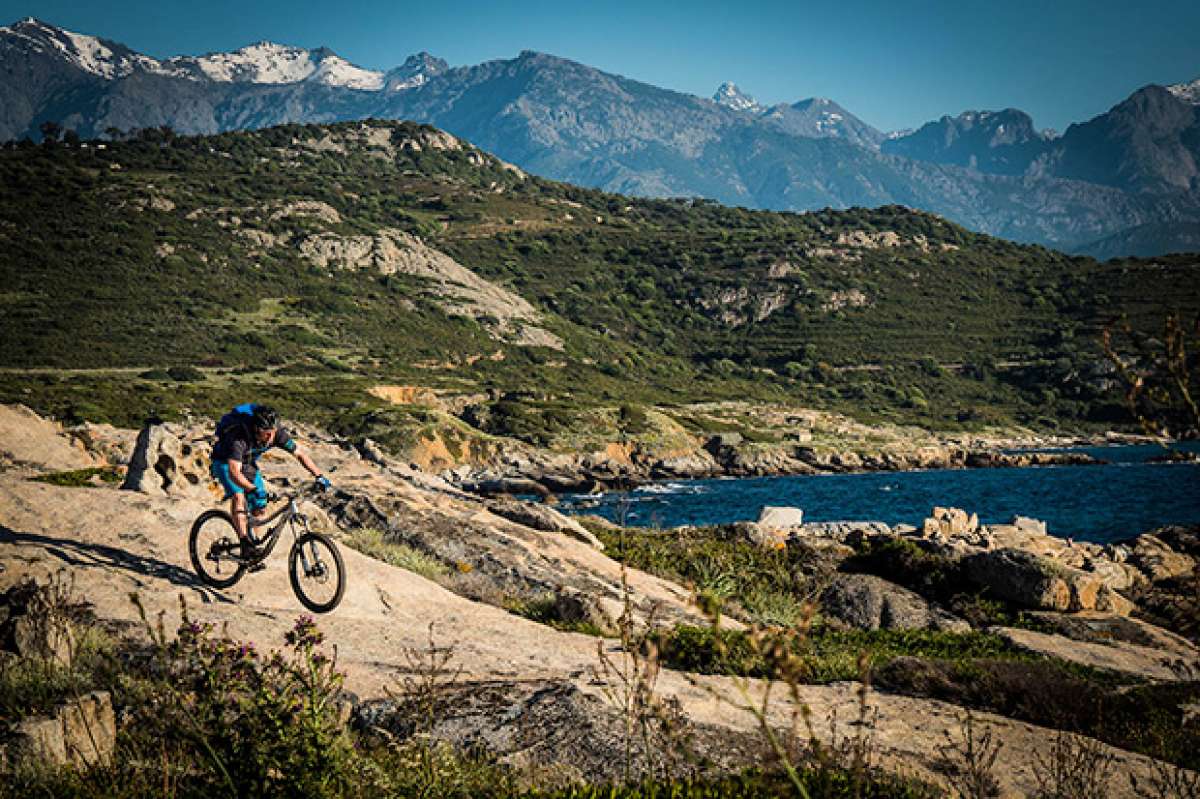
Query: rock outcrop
x=31, y=629
x=540, y=517
x=80, y=733
x=162, y=464
x=27, y=439
x=867, y=602
x=1027, y=579
x=1121, y=657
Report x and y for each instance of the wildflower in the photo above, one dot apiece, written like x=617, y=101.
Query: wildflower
x=305, y=634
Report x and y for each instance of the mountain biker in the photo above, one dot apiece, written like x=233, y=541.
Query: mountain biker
x=243, y=435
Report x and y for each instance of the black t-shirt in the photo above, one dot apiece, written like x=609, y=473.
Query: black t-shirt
x=237, y=443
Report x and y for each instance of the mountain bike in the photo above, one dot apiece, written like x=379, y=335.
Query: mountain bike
x=315, y=566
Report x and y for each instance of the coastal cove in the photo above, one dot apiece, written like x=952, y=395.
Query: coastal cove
x=1124, y=497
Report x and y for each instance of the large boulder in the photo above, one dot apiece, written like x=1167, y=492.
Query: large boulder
x=950, y=522
x=867, y=602
x=163, y=464
x=775, y=525
x=1157, y=561
x=694, y=464
x=574, y=606
x=1028, y=579
x=780, y=517
x=1020, y=577
x=1028, y=525
x=1117, y=576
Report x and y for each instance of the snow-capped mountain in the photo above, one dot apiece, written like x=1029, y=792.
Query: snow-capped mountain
x=94, y=56
x=270, y=63
x=730, y=96
x=1188, y=92
x=261, y=63
x=814, y=118
x=821, y=118
x=414, y=72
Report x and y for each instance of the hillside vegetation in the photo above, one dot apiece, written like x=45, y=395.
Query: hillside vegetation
x=305, y=264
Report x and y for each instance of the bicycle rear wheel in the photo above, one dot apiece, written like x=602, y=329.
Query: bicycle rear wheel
x=317, y=573
x=214, y=549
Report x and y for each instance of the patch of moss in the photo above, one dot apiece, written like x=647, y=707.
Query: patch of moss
x=81, y=478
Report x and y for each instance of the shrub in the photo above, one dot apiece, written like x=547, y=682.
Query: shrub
x=185, y=374
x=374, y=543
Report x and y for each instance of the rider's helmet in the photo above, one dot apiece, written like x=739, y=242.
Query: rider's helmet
x=265, y=417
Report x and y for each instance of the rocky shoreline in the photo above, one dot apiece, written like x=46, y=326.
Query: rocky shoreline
x=725, y=455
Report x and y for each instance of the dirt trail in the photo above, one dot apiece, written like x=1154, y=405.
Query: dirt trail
x=117, y=542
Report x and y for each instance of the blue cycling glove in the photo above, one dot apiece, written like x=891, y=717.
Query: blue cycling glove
x=323, y=483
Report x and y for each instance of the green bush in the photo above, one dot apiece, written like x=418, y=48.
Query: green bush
x=185, y=374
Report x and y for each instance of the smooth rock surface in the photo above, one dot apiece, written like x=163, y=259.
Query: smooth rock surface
x=28, y=440
x=1119, y=656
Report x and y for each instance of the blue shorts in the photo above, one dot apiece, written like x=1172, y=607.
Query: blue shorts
x=220, y=472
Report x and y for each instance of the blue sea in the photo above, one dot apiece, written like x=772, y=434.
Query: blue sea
x=1126, y=497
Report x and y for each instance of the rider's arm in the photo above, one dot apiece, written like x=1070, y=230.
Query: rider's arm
x=306, y=462
x=235, y=474
x=284, y=440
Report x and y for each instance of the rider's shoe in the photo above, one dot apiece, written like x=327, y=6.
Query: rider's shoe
x=250, y=556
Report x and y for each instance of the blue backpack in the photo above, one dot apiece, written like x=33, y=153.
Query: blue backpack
x=242, y=415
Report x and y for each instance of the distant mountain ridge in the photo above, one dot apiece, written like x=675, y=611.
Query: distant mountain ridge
x=1134, y=167
x=997, y=142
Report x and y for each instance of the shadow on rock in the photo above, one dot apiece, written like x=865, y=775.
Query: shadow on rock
x=82, y=554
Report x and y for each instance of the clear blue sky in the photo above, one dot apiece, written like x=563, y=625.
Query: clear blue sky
x=895, y=64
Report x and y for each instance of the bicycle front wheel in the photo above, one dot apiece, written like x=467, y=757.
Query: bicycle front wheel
x=317, y=573
x=213, y=546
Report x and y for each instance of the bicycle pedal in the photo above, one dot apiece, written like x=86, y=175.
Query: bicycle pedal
x=256, y=567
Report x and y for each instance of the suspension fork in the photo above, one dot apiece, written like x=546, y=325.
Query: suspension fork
x=299, y=519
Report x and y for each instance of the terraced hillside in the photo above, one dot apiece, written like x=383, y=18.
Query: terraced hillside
x=307, y=264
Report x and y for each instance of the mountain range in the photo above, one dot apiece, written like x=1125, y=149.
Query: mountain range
x=1126, y=181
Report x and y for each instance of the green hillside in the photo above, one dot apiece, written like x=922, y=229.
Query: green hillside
x=275, y=263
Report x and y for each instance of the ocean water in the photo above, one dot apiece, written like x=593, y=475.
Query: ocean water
x=1124, y=498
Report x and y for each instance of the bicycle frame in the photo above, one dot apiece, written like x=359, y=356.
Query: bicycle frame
x=291, y=516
